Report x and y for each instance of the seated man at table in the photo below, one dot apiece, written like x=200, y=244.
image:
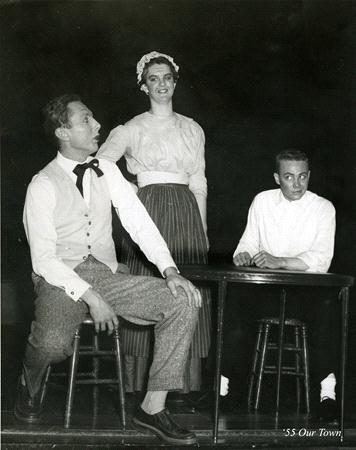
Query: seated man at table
x=68, y=222
x=292, y=228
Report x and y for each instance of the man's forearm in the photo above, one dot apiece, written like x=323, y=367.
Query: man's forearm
x=289, y=263
x=268, y=261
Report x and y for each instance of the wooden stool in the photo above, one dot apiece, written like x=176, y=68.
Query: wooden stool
x=92, y=377
x=263, y=345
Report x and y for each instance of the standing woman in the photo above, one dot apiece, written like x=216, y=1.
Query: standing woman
x=165, y=150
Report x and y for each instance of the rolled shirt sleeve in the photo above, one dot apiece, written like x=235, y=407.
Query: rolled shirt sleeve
x=42, y=237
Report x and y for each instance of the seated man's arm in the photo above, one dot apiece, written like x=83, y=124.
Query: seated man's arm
x=42, y=237
x=268, y=261
x=138, y=223
x=318, y=257
x=250, y=240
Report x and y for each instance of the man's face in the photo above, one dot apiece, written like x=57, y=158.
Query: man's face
x=293, y=178
x=83, y=129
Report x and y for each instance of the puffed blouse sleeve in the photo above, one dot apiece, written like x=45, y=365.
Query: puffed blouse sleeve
x=116, y=144
x=197, y=178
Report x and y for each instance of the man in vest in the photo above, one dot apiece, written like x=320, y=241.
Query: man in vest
x=292, y=228
x=68, y=223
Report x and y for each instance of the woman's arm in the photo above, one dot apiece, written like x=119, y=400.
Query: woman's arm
x=197, y=178
x=115, y=145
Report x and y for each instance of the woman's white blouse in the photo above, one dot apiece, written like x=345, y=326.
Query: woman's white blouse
x=172, y=144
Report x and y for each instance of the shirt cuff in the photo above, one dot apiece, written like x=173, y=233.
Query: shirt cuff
x=164, y=262
x=77, y=289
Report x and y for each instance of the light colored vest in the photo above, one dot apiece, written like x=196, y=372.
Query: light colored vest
x=82, y=230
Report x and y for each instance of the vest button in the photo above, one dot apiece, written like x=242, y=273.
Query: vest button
x=89, y=223
x=89, y=246
x=88, y=234
x=72, y=293
x=86, y=215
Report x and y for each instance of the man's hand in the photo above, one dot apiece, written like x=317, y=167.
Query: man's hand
x=242, y=259
x=102, y=313
x=264, y=259
x=174, y=281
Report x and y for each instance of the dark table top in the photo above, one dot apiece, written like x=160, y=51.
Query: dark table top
x=255, y=275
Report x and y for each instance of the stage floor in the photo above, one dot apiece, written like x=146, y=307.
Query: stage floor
x=102, y=430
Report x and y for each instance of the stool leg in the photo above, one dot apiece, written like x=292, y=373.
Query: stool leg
x=96, y=368
x=119, y=366
x=297, y=364
x=45, y=384
x=254, y=366
x=306, y=368
x=282, y=314
x=262, y=364
x=72, y=375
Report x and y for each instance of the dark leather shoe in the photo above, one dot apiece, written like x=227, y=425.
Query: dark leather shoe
x=328, y=410
x=27, y=409
x=164, y=427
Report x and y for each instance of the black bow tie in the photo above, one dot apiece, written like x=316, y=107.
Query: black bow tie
x=80, y=169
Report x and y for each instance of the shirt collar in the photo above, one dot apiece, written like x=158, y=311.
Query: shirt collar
x=69, y=164
x=281, y=200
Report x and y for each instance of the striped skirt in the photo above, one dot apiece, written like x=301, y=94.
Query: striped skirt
x=175, y=212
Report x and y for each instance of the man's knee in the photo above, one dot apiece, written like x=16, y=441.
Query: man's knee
x=54, y=346
x=191, y=311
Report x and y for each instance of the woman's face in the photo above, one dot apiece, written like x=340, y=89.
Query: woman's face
x=160, y=83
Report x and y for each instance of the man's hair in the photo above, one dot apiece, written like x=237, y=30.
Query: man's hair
x=290, y=154
x=158, y=60
x=56, y=112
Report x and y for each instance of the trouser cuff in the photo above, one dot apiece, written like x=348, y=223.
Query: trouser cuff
x=159, y=384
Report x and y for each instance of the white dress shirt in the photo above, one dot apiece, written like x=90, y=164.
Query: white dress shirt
x=303, y=228
x=42, y=235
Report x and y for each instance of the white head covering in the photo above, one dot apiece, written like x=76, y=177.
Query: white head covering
x=147, y=58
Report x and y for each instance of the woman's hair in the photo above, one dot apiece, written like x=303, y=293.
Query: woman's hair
x=158, y=60
x=56, y=112
x=290, y=154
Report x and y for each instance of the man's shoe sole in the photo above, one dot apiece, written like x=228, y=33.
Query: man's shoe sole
x=141, y=426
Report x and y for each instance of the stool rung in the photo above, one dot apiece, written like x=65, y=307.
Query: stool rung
x=291, y=348
x=96, y=352
x=284, y=372
x=86, y=374
x=274, y=367
x=100, y=381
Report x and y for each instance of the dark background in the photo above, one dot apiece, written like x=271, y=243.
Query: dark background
x=259, y=76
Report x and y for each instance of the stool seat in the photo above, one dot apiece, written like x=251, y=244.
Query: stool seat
x=88, y=320
x=265, y=345
x=275, y=321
